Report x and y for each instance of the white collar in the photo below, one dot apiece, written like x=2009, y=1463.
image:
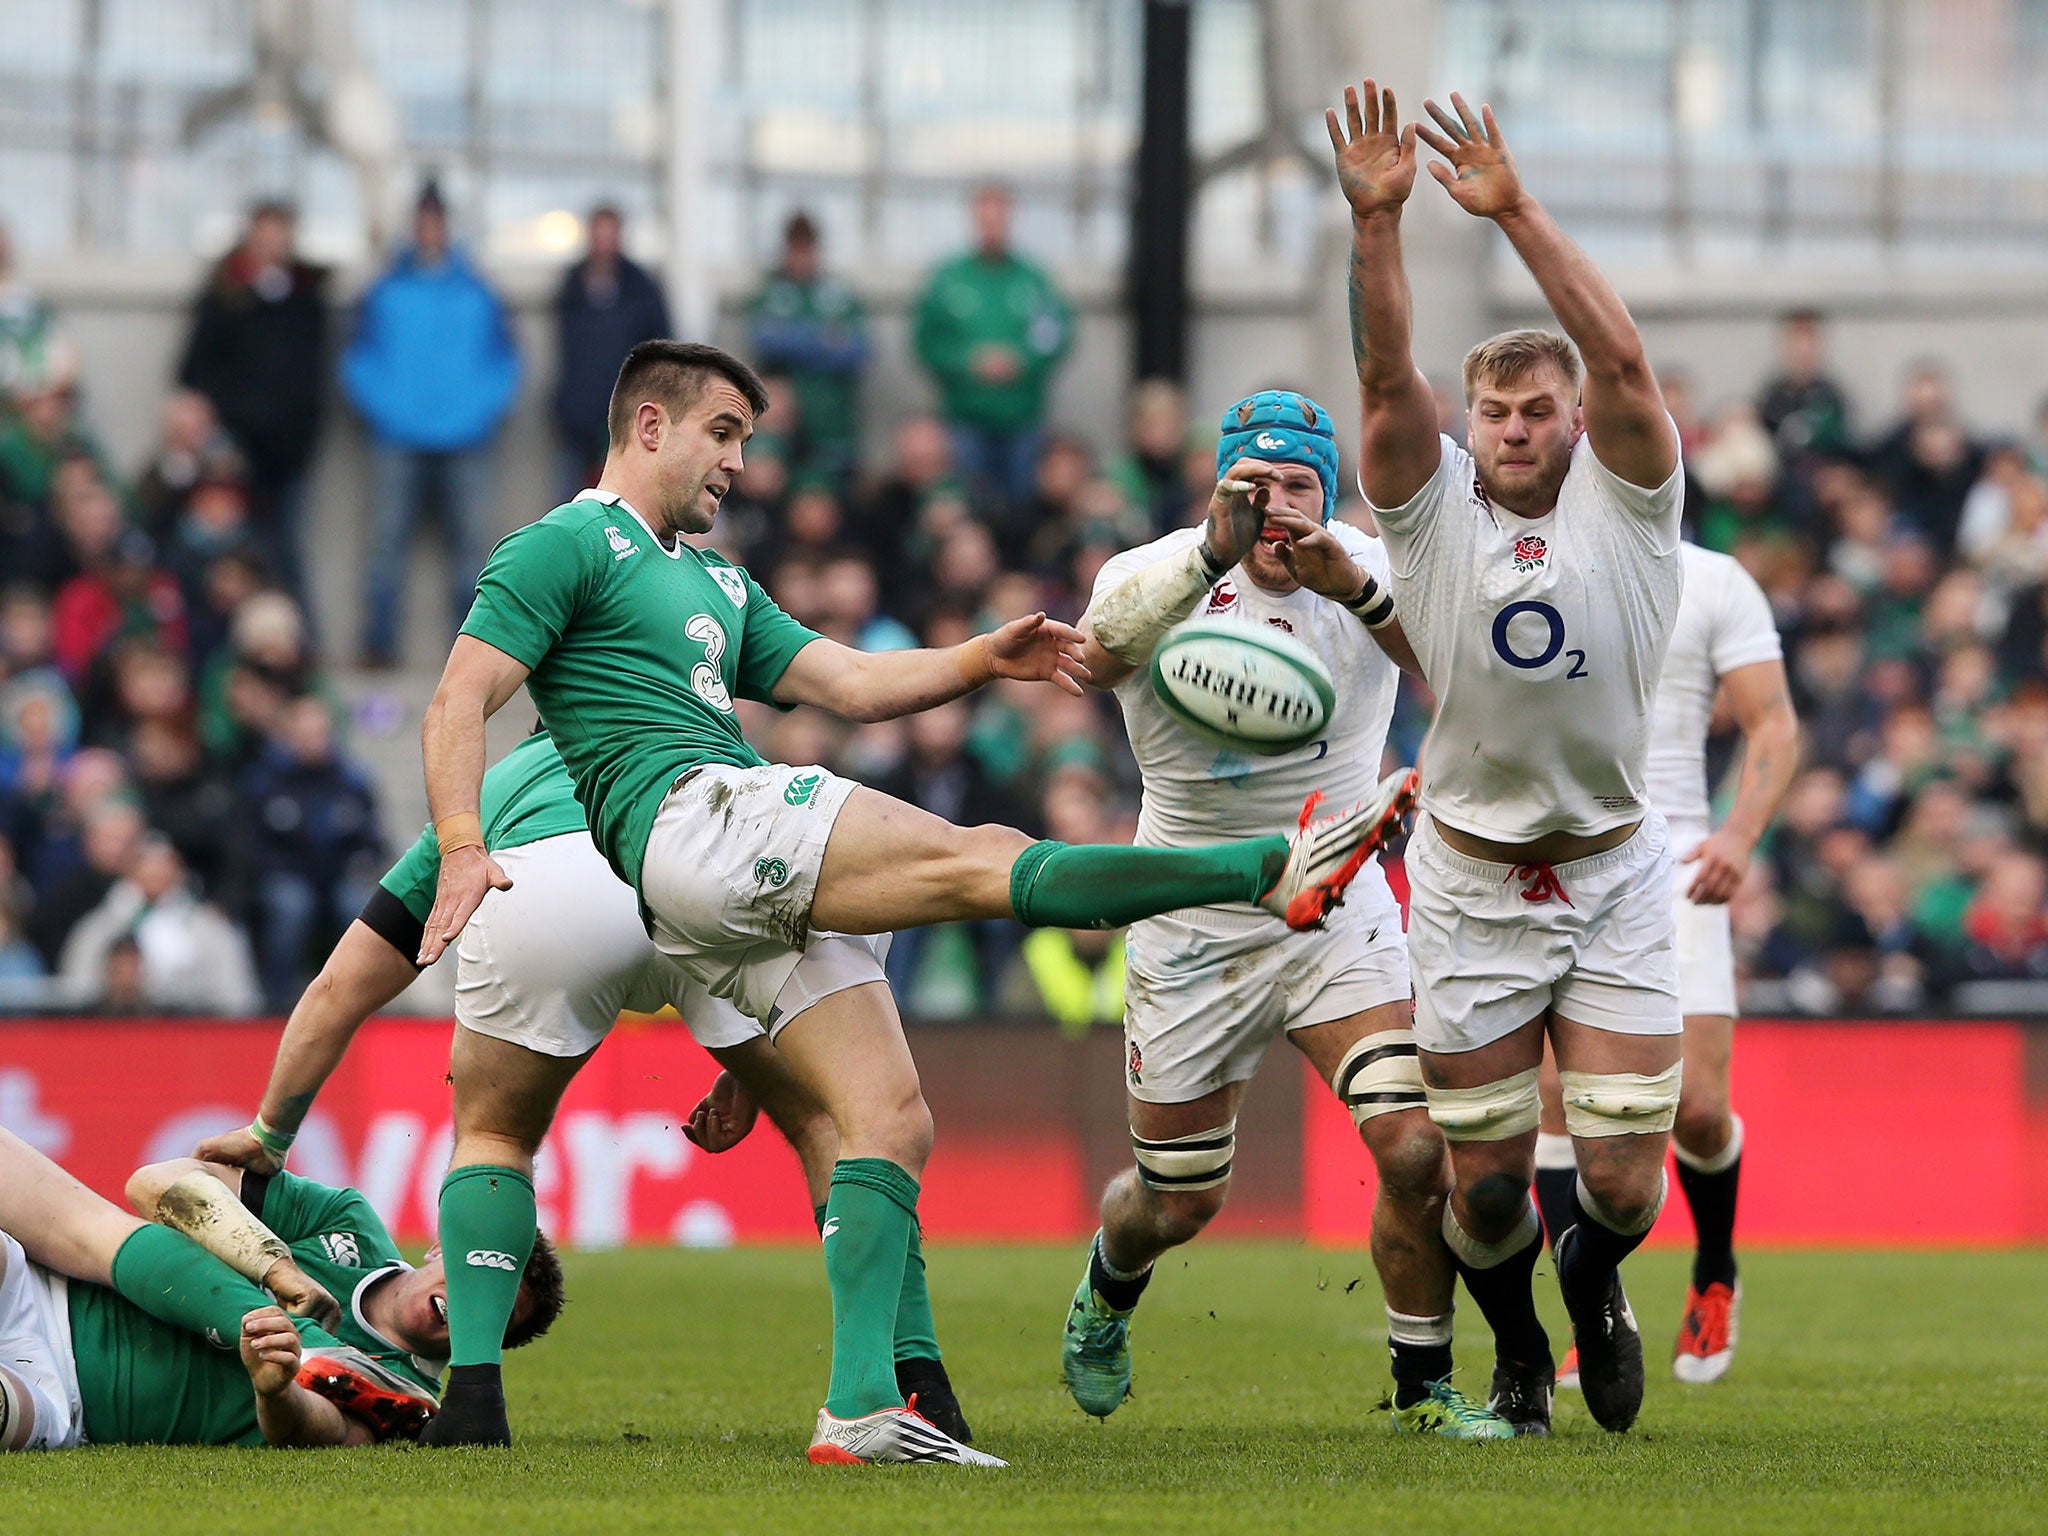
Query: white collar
x=614, y=499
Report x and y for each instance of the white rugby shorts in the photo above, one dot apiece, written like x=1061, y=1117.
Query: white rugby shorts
x=35, y=1344
x=551, y=963
x=1207, y=989
x=731, y=871
x=1706, y=954
x=1493, y=947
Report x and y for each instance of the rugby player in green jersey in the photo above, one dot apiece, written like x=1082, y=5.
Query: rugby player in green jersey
x=545, y=969
x=634, y=645
x=117, y=1330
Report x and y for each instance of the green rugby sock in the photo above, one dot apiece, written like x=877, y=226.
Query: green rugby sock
x=178, y=1282
x=869, y=1220
x=487, y=1232
x=916, y=1332
x=1093, y=885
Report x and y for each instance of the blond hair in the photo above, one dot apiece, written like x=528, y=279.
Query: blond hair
x=1512, y=356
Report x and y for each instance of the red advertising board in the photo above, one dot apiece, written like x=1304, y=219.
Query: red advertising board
x=1883, y=1133
x=1854, y=1133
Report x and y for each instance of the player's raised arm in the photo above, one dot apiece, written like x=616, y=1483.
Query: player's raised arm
x=1625, y=415
x=477, y=681
x=1761, y=702
x=1398, y=449
x=881, y=685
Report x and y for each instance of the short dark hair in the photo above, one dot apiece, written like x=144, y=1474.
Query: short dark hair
x=543, y=1282
x=674, y=372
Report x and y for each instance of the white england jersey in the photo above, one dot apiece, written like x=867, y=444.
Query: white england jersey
x=1724, y=622
x=1198, y=792
x=1542, y=639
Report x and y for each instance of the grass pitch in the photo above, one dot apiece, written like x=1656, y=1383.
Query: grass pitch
x=1873, y=1393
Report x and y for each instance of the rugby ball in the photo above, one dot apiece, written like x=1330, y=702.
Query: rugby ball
x=1246, y=686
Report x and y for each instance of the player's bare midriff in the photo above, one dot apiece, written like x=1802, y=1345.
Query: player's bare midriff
x=1551, y=848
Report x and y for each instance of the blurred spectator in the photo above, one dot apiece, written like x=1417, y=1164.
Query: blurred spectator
x=808, y=325
x=2005, y=929
x=24, y=979
x=314, y=846
x=120, y=595
x=258, y=352
x=433, y=368
x=191, y=450
x=112, y=834
x=849, y=606
x=1073, y=976
x=31, y=347
x=193, y=960
x=991, y=329
x=249, y=684
x=918, y=496
x=1148, y=472
x=606, y=305
x=1737, y=474
x=191, y=802
x=1928, y=462
x=39, y=430
x=1801, y=407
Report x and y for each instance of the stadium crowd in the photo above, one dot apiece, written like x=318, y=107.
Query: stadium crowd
x=182, y=827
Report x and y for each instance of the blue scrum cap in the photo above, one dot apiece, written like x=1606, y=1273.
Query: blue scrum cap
x=1285, y=428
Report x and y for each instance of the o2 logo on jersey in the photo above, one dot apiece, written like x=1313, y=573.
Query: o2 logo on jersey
x=704, y=677
x=1504, y=643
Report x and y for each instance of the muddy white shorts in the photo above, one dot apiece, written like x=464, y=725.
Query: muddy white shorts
x=35, y=1345
x=551, y=963
x=731, y=871
x=1208, y=989
x=1495, y=945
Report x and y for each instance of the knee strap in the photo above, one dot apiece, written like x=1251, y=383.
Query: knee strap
x=1620, y=1103
x=1508, y=1106
x=1380, y=1075
x=1185, y=1163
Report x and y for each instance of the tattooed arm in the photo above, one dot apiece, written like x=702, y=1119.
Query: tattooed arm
x=1398, y=450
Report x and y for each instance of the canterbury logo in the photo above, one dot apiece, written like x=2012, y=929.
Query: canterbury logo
x=489, y=1258
x=1269, y=442
x=341, y=1248
x=621, y=545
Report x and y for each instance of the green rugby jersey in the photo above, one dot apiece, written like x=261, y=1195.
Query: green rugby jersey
x=527, y=795
x=636, y=652
x=144, y=1381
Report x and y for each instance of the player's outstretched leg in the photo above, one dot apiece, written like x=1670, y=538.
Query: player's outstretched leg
x=1707, y=1141
x=505, y=1098
x=890, y=865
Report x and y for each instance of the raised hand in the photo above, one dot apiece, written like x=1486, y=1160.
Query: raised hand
x=1482, y=175
x=1314, y=556
x=1035, y=649
x=1375, y=156
x=1237, y=511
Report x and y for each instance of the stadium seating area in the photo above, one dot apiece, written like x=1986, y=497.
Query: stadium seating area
x=182, y=828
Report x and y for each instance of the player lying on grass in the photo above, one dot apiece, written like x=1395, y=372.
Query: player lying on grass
x=543, y=971
x=634, y=644
x=118, y=1330
x=1538, y=579
x=1210, y=988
